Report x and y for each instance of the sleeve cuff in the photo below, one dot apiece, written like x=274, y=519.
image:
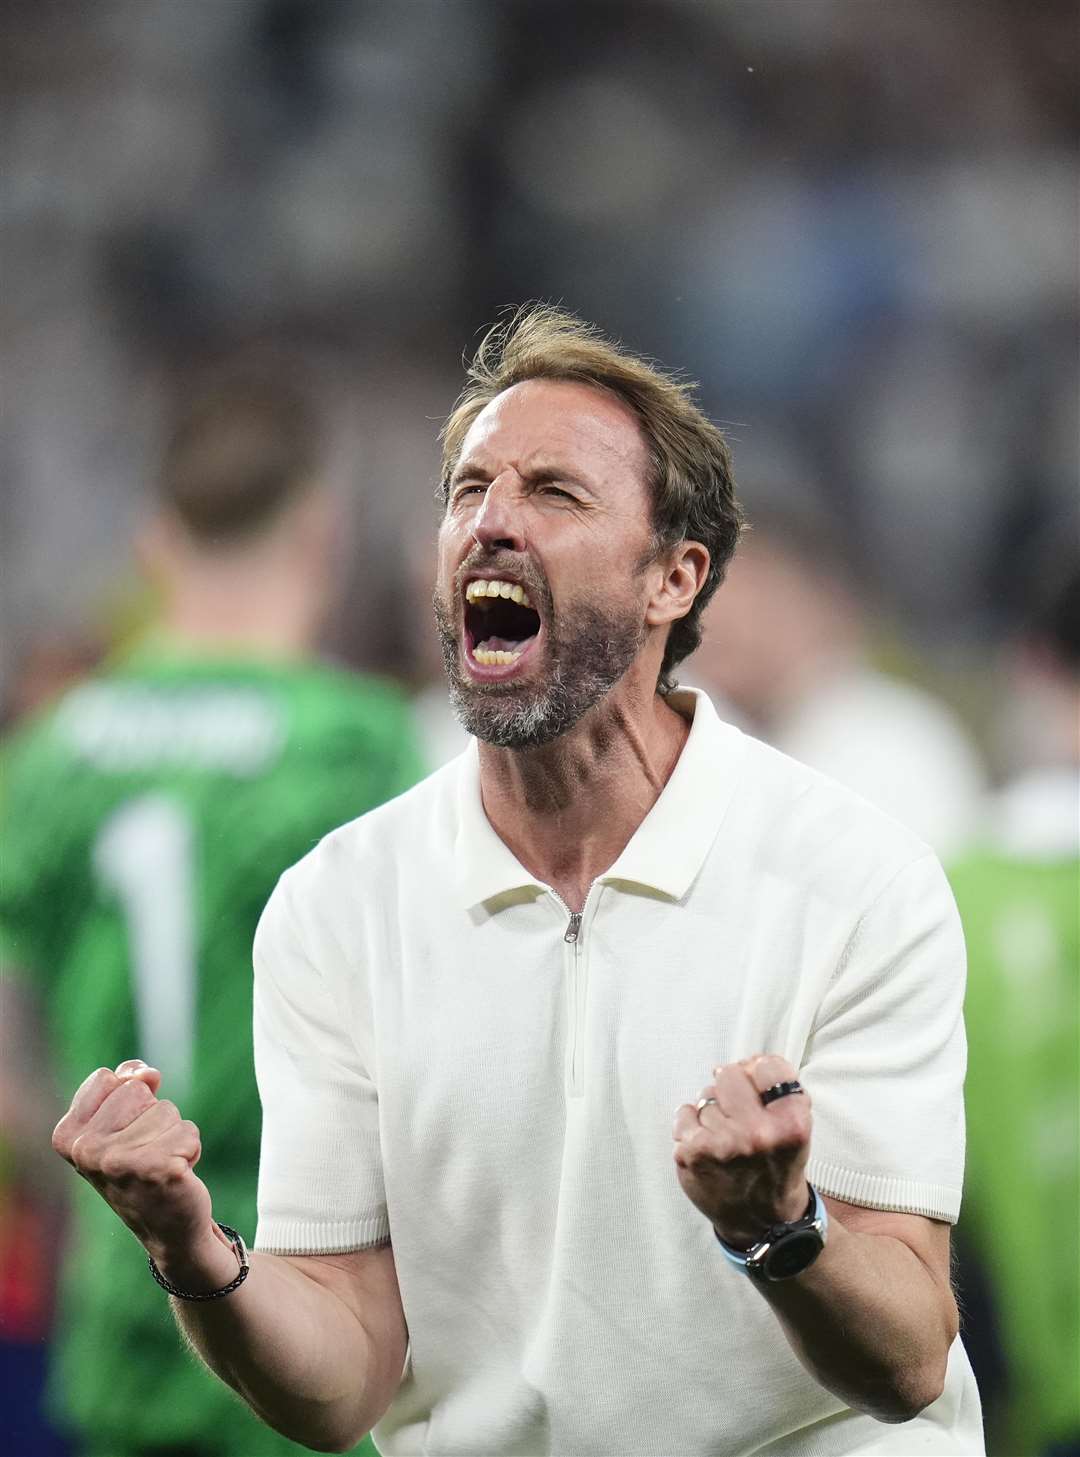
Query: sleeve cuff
x=881, y=1191
x=310, y=1237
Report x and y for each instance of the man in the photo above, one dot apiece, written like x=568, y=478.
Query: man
x=144, y=822
x=1018, y=892
x=476, y=1008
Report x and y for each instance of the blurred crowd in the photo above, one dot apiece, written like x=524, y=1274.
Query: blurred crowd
x=852, y=220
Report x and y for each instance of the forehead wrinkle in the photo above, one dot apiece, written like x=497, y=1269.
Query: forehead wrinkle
x=595, y=424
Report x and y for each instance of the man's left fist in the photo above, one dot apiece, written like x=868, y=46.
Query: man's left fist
x=743, y=1162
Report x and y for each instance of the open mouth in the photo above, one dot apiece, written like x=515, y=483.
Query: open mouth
x=501, y=625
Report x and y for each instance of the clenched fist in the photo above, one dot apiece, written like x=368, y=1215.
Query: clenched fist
x=140, y=1156
x=742, y=1162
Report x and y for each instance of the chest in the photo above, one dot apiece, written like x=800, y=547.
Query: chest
x=503, y=1022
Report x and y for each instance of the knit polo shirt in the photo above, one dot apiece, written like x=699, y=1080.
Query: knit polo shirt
x=449, y=1060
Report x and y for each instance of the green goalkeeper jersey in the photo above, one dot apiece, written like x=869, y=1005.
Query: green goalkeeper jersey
x=143, y=823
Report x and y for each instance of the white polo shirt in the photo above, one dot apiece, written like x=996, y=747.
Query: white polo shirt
x=444, y=1064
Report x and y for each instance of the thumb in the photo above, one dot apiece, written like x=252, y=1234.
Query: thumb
x=135, y=1068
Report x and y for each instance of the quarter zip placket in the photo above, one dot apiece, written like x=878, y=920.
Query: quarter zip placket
x=575, y=969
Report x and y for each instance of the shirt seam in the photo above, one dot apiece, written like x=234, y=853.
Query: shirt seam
x=852, y=940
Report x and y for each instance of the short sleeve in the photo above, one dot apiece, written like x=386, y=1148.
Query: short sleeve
x=320, y=1170
x=885, y=1061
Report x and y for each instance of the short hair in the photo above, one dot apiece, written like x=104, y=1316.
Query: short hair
x=243, y=444
x=690, y=473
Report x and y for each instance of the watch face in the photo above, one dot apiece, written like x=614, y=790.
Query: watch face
x=792, y=1253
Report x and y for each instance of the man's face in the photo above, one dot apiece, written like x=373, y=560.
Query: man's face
x=540, y=597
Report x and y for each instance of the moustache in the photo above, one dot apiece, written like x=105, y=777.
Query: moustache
x=515, y=566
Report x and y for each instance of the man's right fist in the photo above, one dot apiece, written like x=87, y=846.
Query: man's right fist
x=140, y=1156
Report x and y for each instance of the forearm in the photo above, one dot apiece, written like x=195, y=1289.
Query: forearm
x=870, y=1322
x=289, y=1344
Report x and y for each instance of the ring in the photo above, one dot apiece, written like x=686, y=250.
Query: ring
x=781, y=1090
x=703, y=1103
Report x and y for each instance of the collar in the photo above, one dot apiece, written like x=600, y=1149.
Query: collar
x=665, y=852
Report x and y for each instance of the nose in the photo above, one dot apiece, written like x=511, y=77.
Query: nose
x=499, y=523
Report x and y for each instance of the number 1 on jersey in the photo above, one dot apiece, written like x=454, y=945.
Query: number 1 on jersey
x=144, y=853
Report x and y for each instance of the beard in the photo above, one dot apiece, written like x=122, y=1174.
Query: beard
x=585, y=657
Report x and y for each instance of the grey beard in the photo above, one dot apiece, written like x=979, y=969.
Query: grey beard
x=584, y=665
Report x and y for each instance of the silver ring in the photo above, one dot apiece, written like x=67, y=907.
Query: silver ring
x=703, y=1103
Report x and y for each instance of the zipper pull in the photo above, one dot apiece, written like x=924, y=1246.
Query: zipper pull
x=574, y=926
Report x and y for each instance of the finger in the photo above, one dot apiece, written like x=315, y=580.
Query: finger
x=152, y=1124
x=130, y=1098
x=146, y=1150
x=701, y=1146
x=91, y=1094
x=686, y=1120
x=768, y=1069
x=162, y=1160
x=710, y=1109
x=158, y=1136
x=738, y=1095
x=134, y=1067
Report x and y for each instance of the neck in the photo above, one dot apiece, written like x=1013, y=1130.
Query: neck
x=568, y=809
x=228, y=606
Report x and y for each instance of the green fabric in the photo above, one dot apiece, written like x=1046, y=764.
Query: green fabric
x=162, y=798
x=1022, y=1191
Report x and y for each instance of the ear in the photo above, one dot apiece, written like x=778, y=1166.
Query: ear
x=684, y=570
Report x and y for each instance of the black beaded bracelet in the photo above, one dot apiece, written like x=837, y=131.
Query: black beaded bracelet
x=239, y=1250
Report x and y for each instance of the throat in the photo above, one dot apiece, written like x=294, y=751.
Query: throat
x=568, y=809
x=568, y=826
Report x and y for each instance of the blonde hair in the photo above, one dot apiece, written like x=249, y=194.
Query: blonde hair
x=690, y=473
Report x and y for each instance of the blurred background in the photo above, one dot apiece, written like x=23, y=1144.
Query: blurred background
x=853, y=221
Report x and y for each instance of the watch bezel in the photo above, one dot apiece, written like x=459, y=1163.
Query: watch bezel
x=763, y=1259
x=760, y=1260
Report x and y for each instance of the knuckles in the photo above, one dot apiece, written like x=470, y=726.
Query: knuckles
x=771, y=1065
x=132, y=1091
x=114, y=1164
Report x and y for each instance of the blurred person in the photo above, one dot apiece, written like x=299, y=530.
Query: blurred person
x=476, y=1007
x=144, y=820
x=32, y=1201
x=50, y=664
x=1019, y=896
x=442, y=735
x=786, y=647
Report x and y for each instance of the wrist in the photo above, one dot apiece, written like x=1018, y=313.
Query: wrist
x=742, y=1229
x=200, y=1265
x=787, y=1249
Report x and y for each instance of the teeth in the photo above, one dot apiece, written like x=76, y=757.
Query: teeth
x=484, y=588
x=491, y=657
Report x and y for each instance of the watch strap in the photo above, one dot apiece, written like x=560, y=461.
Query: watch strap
x=747, y=1261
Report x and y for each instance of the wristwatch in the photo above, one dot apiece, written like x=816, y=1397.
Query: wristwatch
x=785, y=1249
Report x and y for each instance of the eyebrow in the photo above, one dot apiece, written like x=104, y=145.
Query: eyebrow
x=467, y=470
x=545, y=475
